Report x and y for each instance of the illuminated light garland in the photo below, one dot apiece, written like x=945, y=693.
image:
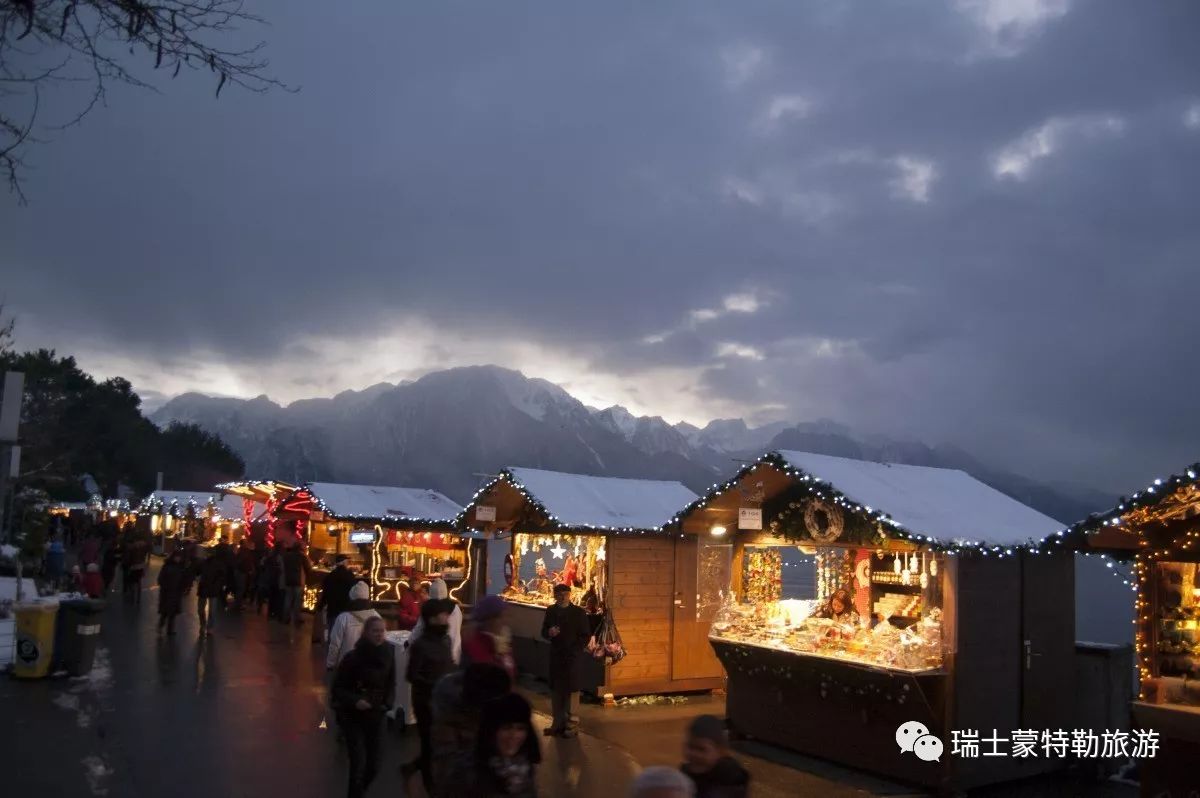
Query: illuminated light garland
x=506, y=476
x=305, y=495
x=466, y=573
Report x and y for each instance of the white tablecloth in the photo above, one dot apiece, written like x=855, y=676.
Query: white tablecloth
x=399, y=640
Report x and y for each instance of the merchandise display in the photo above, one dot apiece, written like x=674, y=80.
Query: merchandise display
x=902, y=632
x=1178, y=634
x=539, y=562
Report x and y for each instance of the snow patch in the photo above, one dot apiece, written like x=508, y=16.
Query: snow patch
x=9, y=551
x=96, y=771
x=604, y=502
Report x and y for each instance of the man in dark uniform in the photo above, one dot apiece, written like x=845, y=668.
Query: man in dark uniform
x=566, y=627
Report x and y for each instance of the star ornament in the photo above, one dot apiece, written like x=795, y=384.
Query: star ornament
x=558, y=551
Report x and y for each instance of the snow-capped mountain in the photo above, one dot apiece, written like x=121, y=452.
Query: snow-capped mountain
x=450, y=429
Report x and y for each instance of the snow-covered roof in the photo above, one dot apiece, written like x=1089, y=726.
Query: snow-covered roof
x=609, y=503
x=378, y=503
x=943, y=504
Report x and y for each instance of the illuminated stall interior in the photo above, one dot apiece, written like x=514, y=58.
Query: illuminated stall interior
x=603, y=536
x=389, y=534
x=1158, y=530
x=871, y=594
x=203, y=517
x=260, y=499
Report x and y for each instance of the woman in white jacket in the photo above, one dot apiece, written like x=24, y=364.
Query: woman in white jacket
x=349, y=625
x=439, y=592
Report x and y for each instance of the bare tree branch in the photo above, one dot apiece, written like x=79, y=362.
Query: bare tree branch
x=51, y=42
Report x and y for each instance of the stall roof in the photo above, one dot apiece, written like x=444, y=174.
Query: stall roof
x=609, y=503
x=377, y=503
x=943, y=504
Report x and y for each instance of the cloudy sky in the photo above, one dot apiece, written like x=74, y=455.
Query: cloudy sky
x=970, y=222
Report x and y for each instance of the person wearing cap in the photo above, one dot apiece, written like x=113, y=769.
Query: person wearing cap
x=439, y=592
x=335, y=590
x=489, y=640
x=506, y=751
x=566, y=627
x=708, y=764
x=348, y=627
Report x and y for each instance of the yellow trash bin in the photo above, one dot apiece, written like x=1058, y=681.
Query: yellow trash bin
x=35, y=639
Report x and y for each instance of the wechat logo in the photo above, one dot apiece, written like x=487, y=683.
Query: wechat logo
x=914, y=737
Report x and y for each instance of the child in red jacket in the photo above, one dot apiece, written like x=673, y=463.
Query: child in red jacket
x=92, y=582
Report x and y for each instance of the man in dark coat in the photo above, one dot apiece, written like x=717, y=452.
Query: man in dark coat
x=296, y=568
x=172, y=583
x=335, y=591
x=429, y=659
x=210, y=588
x=566, y=627
x=364, y=688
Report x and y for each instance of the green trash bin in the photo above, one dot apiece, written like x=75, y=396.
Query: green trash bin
x=78, y=634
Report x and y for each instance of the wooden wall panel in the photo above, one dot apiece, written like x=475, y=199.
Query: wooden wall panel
x=641, y=576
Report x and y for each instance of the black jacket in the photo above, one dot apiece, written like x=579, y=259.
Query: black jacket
x=368, y=672
x=335, y=592
x=172, y=583
x=573, y=631
x=295, y=567
x=210, y=574
x=429, y=659
x=727, y=779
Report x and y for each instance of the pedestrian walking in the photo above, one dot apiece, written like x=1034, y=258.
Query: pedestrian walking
x=172, y=584
x=489, y=639
x=92, y=583
x=429, y=659
x=708, y=764
x=408, y=609
x=348, y=627
x=133, y=569
x=210, y=589
x=363, y=692
x=55, y=562
x=439, y=592
x=269, y=577
x=296, y=570
x=109, y=561
x=506, y=751
x=458, y=700
x=243, y=572
x=335, y=590
x=566, y=627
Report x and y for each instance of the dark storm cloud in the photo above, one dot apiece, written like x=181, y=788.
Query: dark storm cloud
x=952, y=226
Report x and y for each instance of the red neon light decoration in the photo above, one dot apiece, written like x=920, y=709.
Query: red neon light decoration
x=271, y=505
x=248, y=513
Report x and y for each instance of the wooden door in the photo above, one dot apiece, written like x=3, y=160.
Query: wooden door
x=1047, y=640
x=691, y=655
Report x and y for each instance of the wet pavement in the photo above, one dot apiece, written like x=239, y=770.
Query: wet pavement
x=243, y=714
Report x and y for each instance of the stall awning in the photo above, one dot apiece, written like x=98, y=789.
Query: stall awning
x=943, y=504
x=603, y=503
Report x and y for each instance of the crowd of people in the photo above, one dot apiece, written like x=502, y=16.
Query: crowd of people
x=475, y=730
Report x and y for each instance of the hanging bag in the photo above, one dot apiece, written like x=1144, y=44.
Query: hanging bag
x=606, y=643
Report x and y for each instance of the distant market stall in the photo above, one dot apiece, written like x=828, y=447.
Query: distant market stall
x=190, y=515
x=845, y=598
x=602, y=536
x=390, y=534
x=260, y=499
x=1157, y=529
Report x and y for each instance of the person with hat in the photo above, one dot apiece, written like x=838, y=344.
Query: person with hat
x=348, y=627
x=428, y=661
x=489, y=639
x=566, y=627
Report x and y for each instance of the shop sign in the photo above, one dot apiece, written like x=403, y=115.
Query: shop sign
x=362, y=536
x=485, y=514
x=749, y=518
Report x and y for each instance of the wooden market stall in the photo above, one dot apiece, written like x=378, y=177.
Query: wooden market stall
x=260, y=499
x=604, y=537
x=188, y=515
x=1158, y=530
x=943, y=617
x=389, y=534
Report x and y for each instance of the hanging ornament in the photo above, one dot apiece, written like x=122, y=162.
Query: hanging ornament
x=896, y=564
x=933, y=566
x=558, y=551
x=600, y=553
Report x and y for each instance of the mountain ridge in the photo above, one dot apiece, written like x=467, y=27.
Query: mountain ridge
x=446, y=428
